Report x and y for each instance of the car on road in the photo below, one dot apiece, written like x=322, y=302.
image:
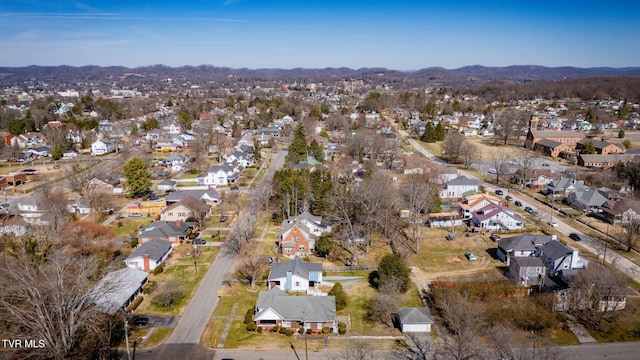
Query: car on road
x=135, y=215
x=577, y=237
x=545, y=164
x=493, y=171
x=471, y=256
x=553, y=224
x=4, y=206
x=499, y=192
x=508, y=198
x=530, y=210
x=235, y=187
x=199, y=241
x=517, y=203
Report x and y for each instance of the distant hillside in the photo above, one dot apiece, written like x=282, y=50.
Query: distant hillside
x=467, y=75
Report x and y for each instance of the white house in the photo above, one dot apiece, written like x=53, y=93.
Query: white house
x=314, y=223
x=100, y=147
x=459, y=187
x=295, y=275
x=219, y=175
x=149, y=255
x=497, y=217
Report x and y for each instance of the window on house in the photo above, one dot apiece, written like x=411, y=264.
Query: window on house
x=297, y=283
x=301, y=247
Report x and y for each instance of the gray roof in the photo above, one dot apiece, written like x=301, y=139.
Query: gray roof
x=462, y=181
x=412, y=315
x=528, y=261
x=555, y=250
x=155, y=249
x=549, y=143
x=167, y=182
x=162, y=229
x=196, y=194
x=557, y=134
x=296, y=266
x=297, y=308
x=305, y=216
x=524, y=242
x=115, y=289
x=590, y=197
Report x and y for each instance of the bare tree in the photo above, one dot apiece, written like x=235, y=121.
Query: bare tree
x=452, y=145
x=79, y=176
x=241, y=233
x=499, y=160
x=525, y=160
x=356, y=350
x=418, y=194
x=416, y=346
x=251, y=267
x=369, y=199
x=509, y=125
x=629, y=234
x=594, y=296
x=469, y=154
x=49, y=301
x=382, y=307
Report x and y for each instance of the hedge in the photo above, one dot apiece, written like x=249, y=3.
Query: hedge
x=134, y=304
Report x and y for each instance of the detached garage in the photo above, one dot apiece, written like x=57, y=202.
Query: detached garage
x=414, y=319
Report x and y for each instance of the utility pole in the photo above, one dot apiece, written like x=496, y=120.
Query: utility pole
x=126, y=337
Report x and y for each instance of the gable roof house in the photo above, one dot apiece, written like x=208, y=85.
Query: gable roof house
x=240, y=157
x=314, y=223
x=472, y=203
x=274, y=307
x=497, y=217
x=564, y=186
x=559, y=257
x=528, y=271
x=551, y=147
x=174, y=231
x=118, y=289
x=100, y=147
x=536, y=178
x=606, y=161
x=209, y=196
x=220, y=175
x=184, y=209
x=295, y=275
x=622, y=211
x=149, y=255
x=296, y=239
x=521, y=246
x=459, y=187
x=586, y=199
x=167, y=185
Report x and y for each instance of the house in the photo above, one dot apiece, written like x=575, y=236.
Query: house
x=106, y=183
x=209, y=196
x=459, y=187
x=606, y=161
x=534, y=178
x=551, y=147
x=296, y=239
x=312, y=313
x=414, y=319
x=149, y=255
x=174, y=231
x=28, y=203
x=295, y=275
x=100, y=147
x=220, y=175
x=177, y=161
x=167, y=185
x=586, y=199
x=521, y=246
x=559, y=257
x=184, y=209
x=564, y=187
x=13, y=225
x=528, y=270
x=314, y=223
x=445, y=219
x=239, y=157
x=118, y=289
x=622, y=211
x=472, y=203
x=497, y=217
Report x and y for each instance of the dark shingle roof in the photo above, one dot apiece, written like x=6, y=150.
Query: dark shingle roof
x=296, y=266
x=155, y=249
x=410, y=315
x=297, y=308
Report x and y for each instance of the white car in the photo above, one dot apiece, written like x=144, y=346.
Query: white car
x=553, y=224
x=471, y=256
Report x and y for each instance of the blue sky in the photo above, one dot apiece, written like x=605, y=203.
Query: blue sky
x=402, y=34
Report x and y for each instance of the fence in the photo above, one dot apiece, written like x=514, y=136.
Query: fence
x=350, y=268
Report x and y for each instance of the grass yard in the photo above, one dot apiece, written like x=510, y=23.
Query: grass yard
x=130, y=226
x=626, y=328
x=157, y=337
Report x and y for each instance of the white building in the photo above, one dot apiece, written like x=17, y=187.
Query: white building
x=100, y=147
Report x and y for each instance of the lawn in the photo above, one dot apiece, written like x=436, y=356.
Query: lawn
x=359, y=297
x=627, y=326
x=130, y=226
x=157, y=337
x=180, y=269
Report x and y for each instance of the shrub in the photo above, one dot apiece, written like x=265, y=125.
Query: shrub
x=134, y=304
x=326, y=330
x=301, y=331
x=158, y=270
x=133, y=242
x=342, y=328
x=282, y=330
x=309, y=331
x=275, y=328
x=151, y=285
x=259, y=330
x=251, y=326
x=341, y=296
x=248, y=317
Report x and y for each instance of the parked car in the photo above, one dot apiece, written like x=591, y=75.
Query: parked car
x=545, y=164
x=199, y=241
x=499, y=192
x=4, y=206
x=451, y=236
x=553, y=224
x=508, y=198
x=140, y=321
x=517, y=203
x=471, y=256
x=416, y=221
x=223, y=218
x=214, y=235
x=135, y=215
x=235, y=187
x=494, y=237
x=493, y=171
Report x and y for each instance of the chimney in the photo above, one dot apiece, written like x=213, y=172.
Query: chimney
x=145, y=263
x=533, y=123
x=178, y=223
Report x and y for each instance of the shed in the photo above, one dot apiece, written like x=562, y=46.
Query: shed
x=412, y=319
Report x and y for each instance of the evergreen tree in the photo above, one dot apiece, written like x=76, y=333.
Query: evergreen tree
x=56, y=153
x=257, y=148
x=392, y=268
x=341, y=296
x=324, y=245
x=440, y=131
x=316, y=150
x=588, y=148
x=138, y=177
x=298, y=148
x=621, y=134
x=429, y=134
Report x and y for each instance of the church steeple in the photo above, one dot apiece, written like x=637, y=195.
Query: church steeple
x=533, y=123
